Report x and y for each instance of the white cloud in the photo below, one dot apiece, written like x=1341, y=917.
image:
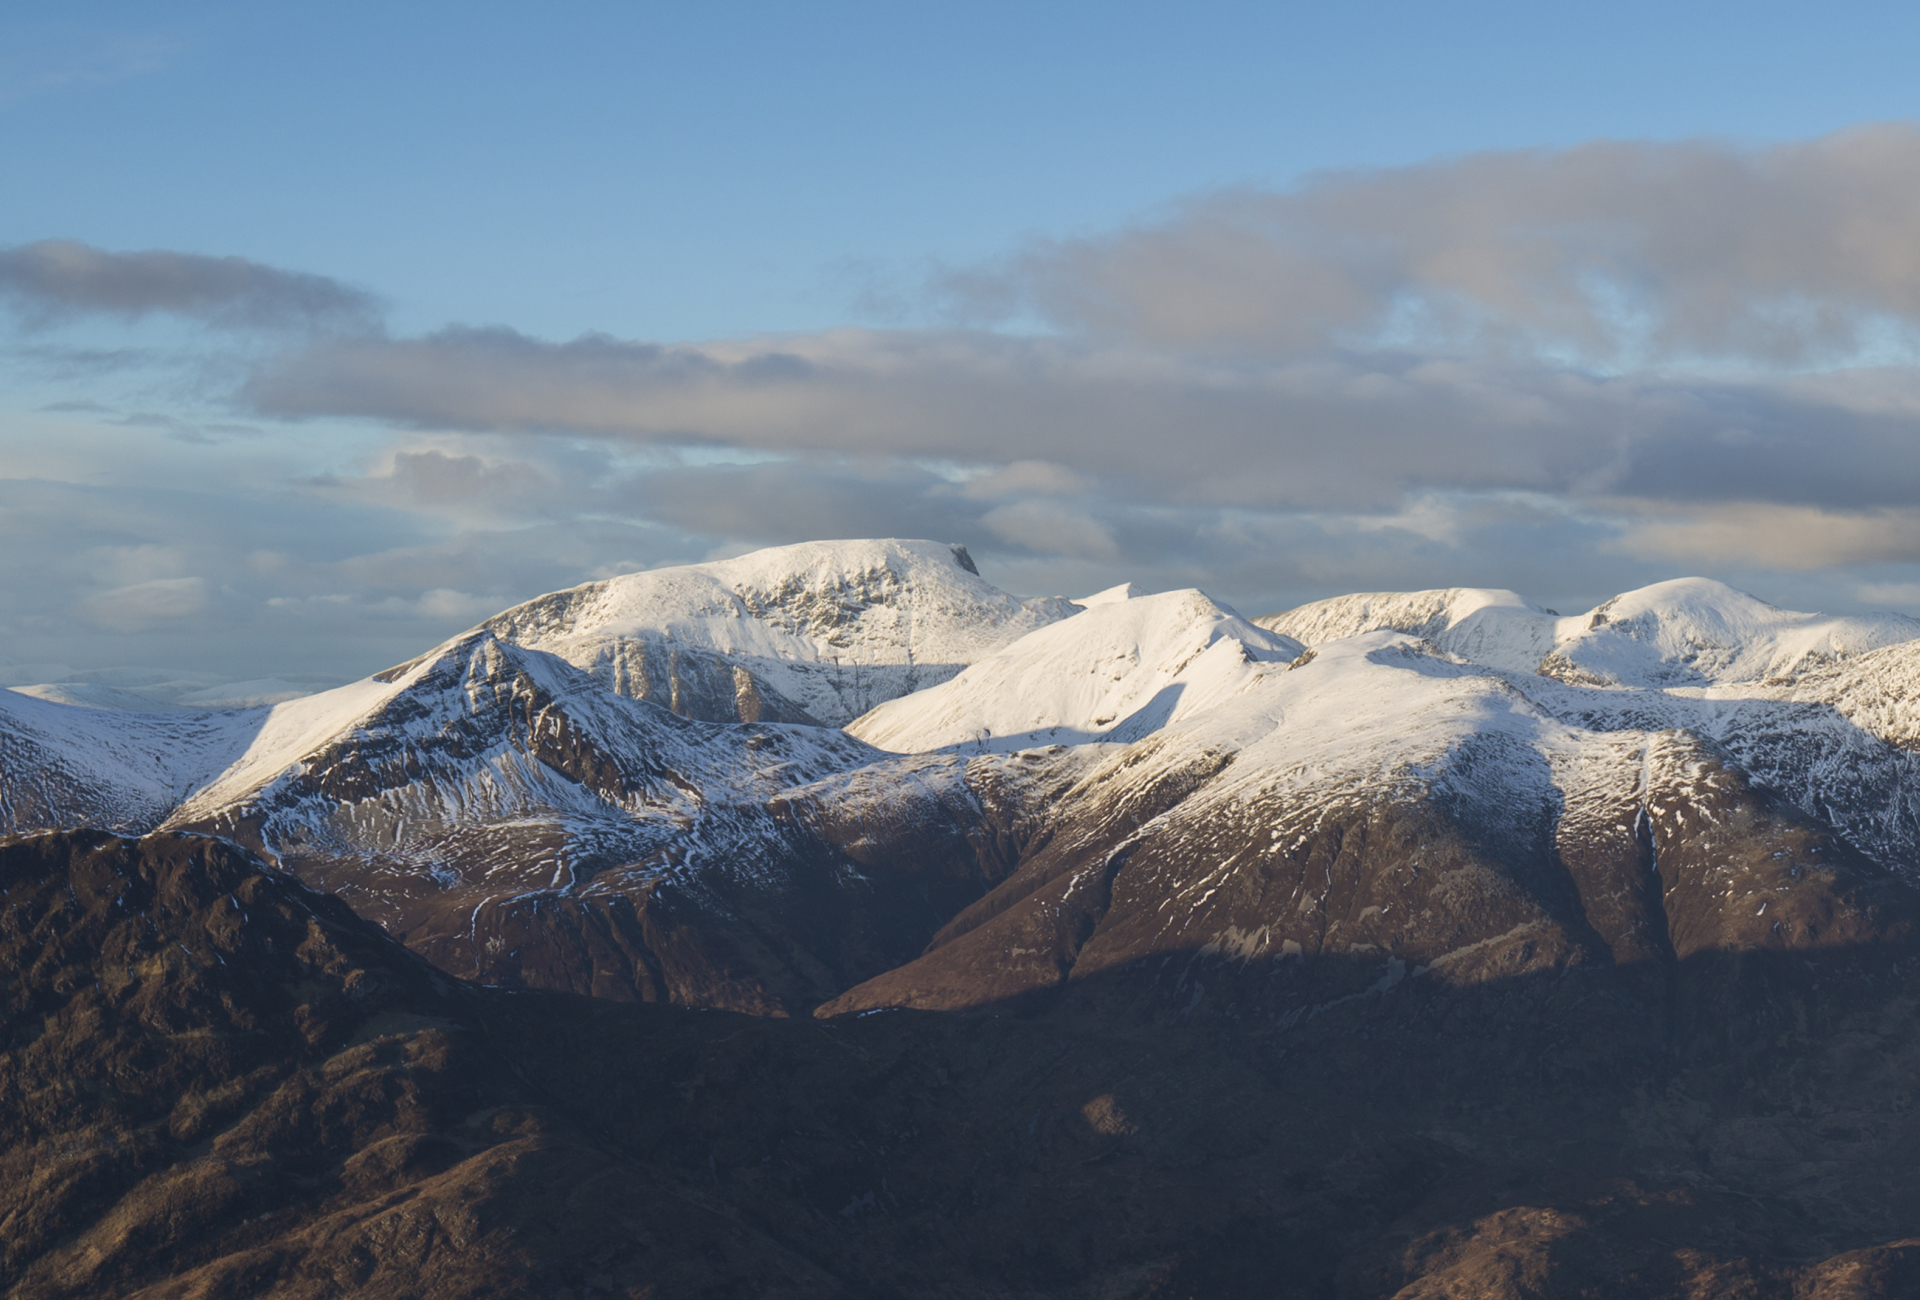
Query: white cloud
x=1028, y=478
x=1618, y=251
x=1780, y=537
x=145, y=604
x=1051, y=529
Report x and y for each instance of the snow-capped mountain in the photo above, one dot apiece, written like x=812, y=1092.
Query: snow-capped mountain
x=819, y=632
x=1455, y=797
x=1385, y=803
x=1688, y=632
x=1457, y=780
x=1631, y=897
x=511, y=818
x=1121, y=670
x=72, y=765
x=514, y=818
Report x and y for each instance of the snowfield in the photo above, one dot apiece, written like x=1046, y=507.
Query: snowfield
x=833, y=627
x=1688, y=632
x=1120, y=671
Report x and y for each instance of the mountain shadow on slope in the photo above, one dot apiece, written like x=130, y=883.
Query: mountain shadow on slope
x=219, y=1083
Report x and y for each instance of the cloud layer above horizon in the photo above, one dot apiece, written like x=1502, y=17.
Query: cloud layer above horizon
x=1566, y=371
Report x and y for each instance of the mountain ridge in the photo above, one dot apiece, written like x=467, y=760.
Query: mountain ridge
x=1174, y=956
x=517, y=819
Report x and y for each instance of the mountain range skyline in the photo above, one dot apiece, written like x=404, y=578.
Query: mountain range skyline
x=906, y=934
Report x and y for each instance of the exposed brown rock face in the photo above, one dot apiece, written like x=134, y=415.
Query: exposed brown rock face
x=1671, y=854
x=215, y=1082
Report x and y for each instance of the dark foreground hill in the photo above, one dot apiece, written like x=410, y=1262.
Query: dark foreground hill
x=216, y=1082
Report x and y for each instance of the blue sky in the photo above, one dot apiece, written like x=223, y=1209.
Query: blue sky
x=1254, y=297
x=691, y=171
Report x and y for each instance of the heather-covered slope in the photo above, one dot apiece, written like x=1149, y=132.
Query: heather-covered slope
x=216, y=1083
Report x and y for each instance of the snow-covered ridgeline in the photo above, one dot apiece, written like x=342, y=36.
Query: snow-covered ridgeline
x=1687, y=632
x=830, y=627
x=1119, y=671
x=69, y=765
x=1805, y=701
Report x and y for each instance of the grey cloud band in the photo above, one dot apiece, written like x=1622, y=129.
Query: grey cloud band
x=58, y=279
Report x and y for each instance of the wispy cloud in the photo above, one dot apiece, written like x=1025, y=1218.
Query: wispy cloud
x=57, y=280
x=147, y=604
x=49, y=59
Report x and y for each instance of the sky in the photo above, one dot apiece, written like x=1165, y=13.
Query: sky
x=326, y=332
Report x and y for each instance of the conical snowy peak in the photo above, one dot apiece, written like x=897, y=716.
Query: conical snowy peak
x=818, y=632
x=487, y=780
x=506, y=727
x=1118, y=671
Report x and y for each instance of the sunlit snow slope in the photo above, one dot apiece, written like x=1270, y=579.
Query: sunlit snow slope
x=819, y=632
x=1123, y=669
x=1688, y=632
